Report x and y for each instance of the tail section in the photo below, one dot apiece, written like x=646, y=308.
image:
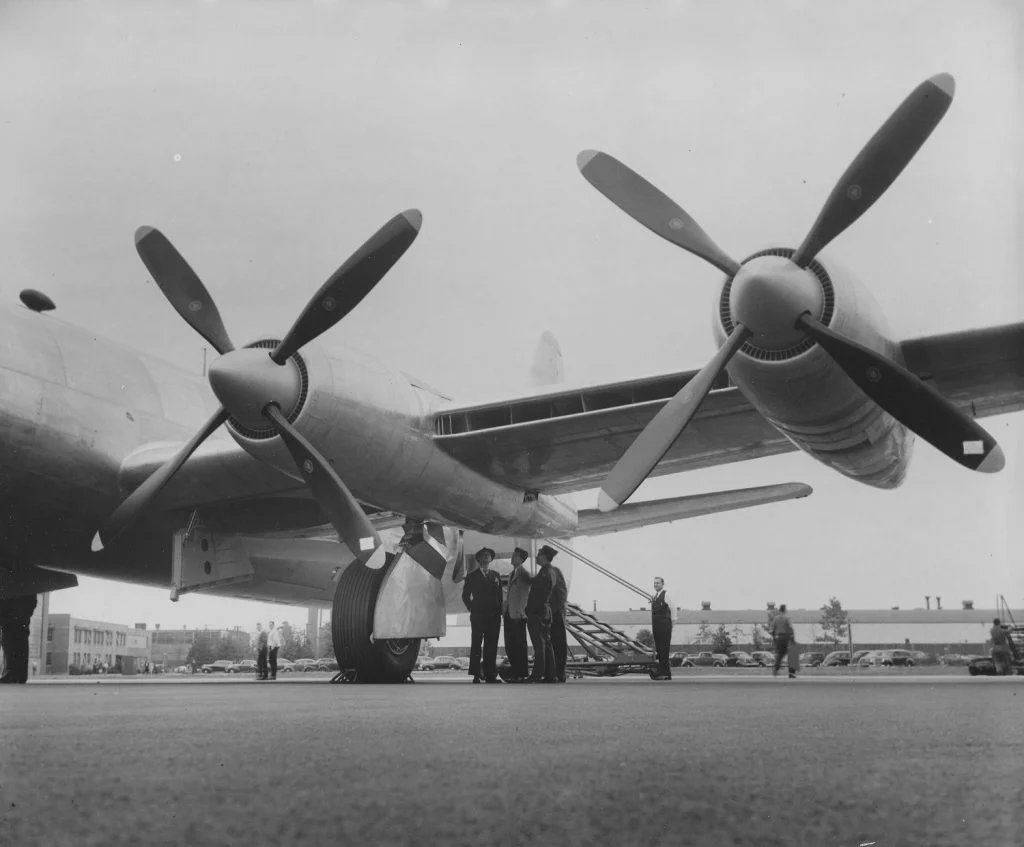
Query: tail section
x=547, y=366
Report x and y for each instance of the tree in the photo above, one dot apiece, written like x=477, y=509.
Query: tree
x=230, y=648
x=296, y=645
x=646, y=637
x=704, y=633
x=833, y=621
x=720, y=641
x=326, y=640
x=204, y=648
x=757, y=636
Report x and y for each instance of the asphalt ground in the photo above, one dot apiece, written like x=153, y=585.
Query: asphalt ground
x=907, y=759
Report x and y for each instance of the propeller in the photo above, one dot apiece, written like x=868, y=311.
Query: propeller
x=776, y=298
x=255, y=386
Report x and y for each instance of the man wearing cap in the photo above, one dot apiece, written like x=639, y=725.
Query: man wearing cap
x=559, y=606
x=538, y=616
x=515, y=617
x=482, y=595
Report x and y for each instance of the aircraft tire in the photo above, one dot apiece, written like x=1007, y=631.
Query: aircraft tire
x=355, y=599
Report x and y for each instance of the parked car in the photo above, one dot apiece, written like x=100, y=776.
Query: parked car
x=713, y=660
x=896, y=658
x=424, y=663
x=285, y=666
x=856, y=657
x=836, y=659
x=740, y=659
x=220, y=666
x=680, y=660
x=764, y=658
x=811, y=660
x=443, y=663
x=304, y=665
x=870, y=659
x=243, y=666
x=327, y=663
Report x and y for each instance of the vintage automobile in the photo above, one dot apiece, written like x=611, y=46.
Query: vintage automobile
x=709, y=660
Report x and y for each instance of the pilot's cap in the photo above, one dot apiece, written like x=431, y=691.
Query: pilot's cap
x=482, y=552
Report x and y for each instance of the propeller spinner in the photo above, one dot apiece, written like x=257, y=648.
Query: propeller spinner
x=257, y=387
x=776, y=300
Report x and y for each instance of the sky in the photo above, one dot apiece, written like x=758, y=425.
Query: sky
x=268, y=140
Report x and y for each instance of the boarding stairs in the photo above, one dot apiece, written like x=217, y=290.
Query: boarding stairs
x=608, y=651
x=1016, y=634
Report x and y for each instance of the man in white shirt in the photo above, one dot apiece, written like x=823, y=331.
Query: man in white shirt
x=274, y=641
x=661, y=624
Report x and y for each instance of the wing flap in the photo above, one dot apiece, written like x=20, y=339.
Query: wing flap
x=636, y=515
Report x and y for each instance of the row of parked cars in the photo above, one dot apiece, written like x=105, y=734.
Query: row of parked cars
x=442, y=663
x=249, y=666
x=766, y=659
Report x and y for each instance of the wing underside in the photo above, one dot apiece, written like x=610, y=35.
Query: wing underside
x=569, y=439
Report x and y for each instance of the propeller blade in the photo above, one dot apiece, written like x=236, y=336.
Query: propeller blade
x=182, y=287
x=878, y=164
x=136, y=502
x=351, y=282
x=912, y=402
x=344, y=512
x=650, y=207
x=660, y=434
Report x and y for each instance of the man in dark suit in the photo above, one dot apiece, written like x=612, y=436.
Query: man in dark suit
x=538, y=617
x=481, y=592
x=15, y=617
x=661, y=625
x=559, y=603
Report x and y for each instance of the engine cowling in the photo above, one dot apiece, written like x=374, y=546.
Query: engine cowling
x=802, y=391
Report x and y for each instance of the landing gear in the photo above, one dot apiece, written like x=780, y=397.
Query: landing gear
x=359, y=659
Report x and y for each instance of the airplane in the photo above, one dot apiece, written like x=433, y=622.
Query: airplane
x=116, y=464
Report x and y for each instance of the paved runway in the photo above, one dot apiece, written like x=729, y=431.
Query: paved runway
x=886, y=760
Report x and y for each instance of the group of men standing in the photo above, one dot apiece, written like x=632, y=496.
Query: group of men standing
x=268, y=642
x=528, y=604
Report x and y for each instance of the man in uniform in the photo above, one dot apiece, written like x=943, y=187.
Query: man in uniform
x=661, y=625
x=482, y=595
x=559, y=604
x=538, y=616
x=1001, y=648
x=515, y=618
x=15, y=617
x=782, y=634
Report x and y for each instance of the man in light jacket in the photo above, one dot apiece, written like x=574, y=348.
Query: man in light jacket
x=516, y=595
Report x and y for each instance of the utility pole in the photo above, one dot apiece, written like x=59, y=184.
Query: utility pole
x=204, y=361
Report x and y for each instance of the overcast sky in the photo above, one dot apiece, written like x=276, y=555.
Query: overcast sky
x=270, y=139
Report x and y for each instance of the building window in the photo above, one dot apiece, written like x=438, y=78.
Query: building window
x=49, y=633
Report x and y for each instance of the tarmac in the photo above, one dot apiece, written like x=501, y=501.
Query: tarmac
x=706, y=759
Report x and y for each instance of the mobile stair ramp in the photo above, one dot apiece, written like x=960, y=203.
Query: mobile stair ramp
x=606, y=651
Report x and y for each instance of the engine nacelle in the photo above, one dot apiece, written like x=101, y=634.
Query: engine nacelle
x=804, y=394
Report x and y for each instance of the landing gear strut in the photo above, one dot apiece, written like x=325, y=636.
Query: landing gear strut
x=359, y=659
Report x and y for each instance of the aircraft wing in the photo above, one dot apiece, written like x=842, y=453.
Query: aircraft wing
x=569, y=439
x=647, y=512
